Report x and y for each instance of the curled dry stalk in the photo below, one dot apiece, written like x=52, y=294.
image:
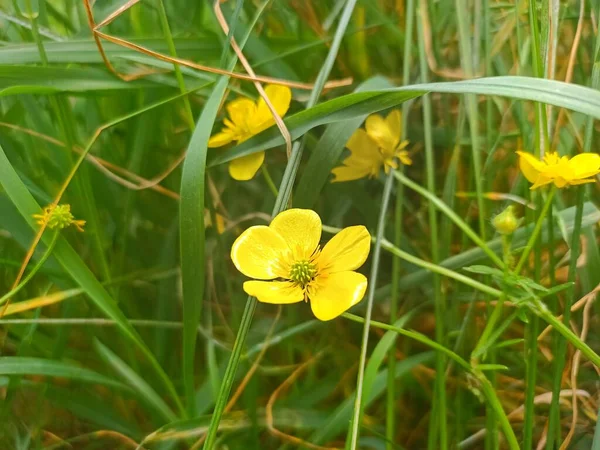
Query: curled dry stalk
x=97, y=34
x=238, y=51
x=111, y=170
x=269, y=408
x=590, y=298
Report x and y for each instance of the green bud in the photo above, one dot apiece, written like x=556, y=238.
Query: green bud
x=506, y=222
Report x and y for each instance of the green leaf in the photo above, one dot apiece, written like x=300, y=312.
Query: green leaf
x=492, y=367
x=508, y=343
x=136, y=382
x=46, y=80
x=85, y=51
x=484, y=270
x=577, y=98
x=20, y=365
x=191, y=227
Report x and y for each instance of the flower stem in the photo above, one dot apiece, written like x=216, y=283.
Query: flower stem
x=35, y=269
x=269, y=180
x=356, y=417
x=536, y=231
x=460, y=223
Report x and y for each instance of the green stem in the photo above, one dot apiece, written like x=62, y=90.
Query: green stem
x=440, y=401
x=390, y=426
x=435, y=268
x=531, y=346
x=33, y=271
x=356, y=417
x=486, y=388
x=482, y=343
x=536, y=231
x=490, y=394
x=439, y=204
x=269, y=180
x=164, y=23
x=561, y=346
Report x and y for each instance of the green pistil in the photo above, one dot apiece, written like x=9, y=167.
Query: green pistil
x=302, y=273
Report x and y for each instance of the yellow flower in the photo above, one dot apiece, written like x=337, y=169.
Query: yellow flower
x=59, y=217
x=247, y=118
x=286, y=257
x=559, y=170
x=379, y=144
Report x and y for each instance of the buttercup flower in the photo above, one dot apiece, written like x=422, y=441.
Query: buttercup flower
x=247, y=118
x=60, y=217
x=287, y=259
x=379, y=144
x=559, y=170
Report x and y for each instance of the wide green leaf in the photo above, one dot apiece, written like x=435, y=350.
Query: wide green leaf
x=44, y=80
x=577, y=98
x=20, y=365
x=191, y=227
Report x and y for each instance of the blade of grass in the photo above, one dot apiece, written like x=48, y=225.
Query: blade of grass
x=577, y=98
x=191, y=229
x=439, y=404
x=390, y=420
x=358, y=401
x=136, y=382
x=22, y=365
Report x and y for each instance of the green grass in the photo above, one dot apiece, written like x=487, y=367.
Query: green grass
x=137, y=332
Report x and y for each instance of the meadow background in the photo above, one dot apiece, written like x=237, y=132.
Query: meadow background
x=136, y=333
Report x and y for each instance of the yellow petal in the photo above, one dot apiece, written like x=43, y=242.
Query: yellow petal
x=300, y=229
x=241, y=111
x=404, y=158
x=394, y=123
x=585, y=165
x=257, y=253
x=278, y=292
x=220, y=139
x=361, y=146
x=244, y=168
x=337, y=293
x=386, y=133
x=542, y=180
x=280, y=97
x=584, y=181
x=349, y=173
x=530, y=166
x=347, y=250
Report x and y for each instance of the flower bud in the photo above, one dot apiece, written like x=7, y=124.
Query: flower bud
x=506, y=222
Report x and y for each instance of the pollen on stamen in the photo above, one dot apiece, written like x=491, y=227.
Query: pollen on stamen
x=302, y=273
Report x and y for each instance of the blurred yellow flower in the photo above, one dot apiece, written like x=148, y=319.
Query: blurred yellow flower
x=559, y=170
x=247, y=118
x=379, y=144
x=58, y=217
x=292, y=267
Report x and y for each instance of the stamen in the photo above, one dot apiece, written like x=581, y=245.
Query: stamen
x=302, y=273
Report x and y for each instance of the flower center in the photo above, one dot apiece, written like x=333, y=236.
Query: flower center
x=302, y=272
